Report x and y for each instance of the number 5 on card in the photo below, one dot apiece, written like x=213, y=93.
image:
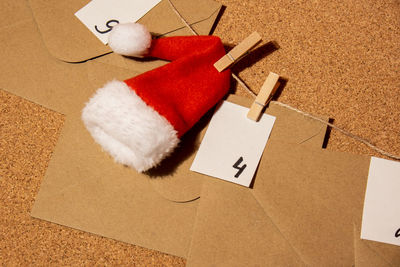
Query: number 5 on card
x=232, y=146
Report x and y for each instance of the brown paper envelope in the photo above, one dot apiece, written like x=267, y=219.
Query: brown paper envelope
x=289, y=127
x=309, y=193
x=231, y=228
x=84, y=189
x=32, y=73
x=313, y=197
x=69, y=40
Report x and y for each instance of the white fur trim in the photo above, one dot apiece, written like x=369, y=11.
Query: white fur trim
x=131, y=131
x=129, y=39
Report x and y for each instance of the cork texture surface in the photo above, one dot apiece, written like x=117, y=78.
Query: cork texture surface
x=339, y=59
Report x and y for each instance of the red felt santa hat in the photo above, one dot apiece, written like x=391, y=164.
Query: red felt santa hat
x=139, y=121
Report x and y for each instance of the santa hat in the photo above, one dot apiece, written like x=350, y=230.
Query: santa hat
x=139, y=121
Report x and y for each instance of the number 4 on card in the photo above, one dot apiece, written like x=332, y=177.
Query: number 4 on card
x=232, y=146
x=239, y=168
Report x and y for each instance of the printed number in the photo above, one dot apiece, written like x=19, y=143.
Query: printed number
x=397, y=234
x=240, y=169
x=108, y=26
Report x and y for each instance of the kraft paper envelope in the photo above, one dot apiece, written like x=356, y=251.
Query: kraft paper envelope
x=242, y=232
x=69, y=40
x=31, y=72
x=315, y=197
x=84, y=189
x=232, y=229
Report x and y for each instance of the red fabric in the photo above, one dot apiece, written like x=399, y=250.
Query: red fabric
x=186, y=88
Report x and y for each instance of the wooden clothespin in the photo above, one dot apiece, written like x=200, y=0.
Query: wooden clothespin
x=268, y=89
x=237, y=52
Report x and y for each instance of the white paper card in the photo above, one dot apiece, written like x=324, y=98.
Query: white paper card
x=381, y=215
x=233, y=144
x=101, y=15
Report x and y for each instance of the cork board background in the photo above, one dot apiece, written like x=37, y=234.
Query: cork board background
x=339, y=59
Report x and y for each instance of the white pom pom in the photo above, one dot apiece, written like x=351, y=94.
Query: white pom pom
x=130, y=39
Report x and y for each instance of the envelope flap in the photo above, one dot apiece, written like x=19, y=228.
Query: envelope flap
x=65, y=36
x=163, y=20
x=199, y=10
x=69, y=40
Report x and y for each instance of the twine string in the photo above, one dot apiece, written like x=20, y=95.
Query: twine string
x=306, y=114
x=365, y=142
